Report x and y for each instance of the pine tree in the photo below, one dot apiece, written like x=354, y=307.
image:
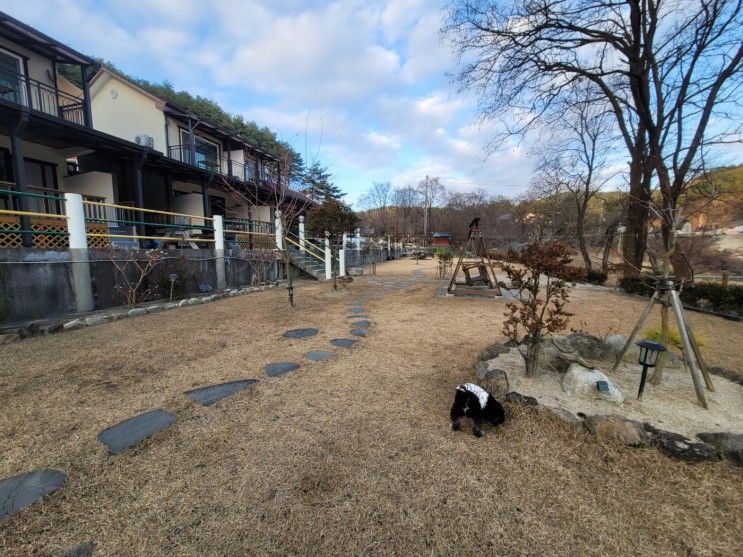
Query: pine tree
x=319, y=188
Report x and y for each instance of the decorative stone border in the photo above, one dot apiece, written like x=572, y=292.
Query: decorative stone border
x=106, y=316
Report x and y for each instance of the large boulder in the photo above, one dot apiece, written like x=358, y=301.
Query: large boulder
x=616, y=428
x=729, y=445
x=493, y=351
x=582, y=382
x=617, y=342
x=496, y=383
x=557, y=352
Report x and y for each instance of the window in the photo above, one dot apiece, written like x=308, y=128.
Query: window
x=207, y=153
x=11, y=78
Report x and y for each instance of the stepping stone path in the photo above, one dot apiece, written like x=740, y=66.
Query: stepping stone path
x=356, y=309
x=207, y=396
x=363, y=324
x=342, y=342
x=359, y=332
x=357, y=317
x=24, y=489
x=130, y=432
x=301, y=333
x=318, y=355
x=280, y=368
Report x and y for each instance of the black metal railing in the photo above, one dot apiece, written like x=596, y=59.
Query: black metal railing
x=220, y=164
x=23, y=90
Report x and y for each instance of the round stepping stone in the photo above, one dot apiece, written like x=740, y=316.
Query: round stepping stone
x=359, y=332
x=130, y=432
x=301, y=333
x=22, y=490
x=363, y=324
x=318, y=355
x=357, y=317
x=211, y=394
x=342, y=342
x=280, y=368
x=356, y=310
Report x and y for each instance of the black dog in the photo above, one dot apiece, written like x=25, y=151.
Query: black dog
x=476, y=403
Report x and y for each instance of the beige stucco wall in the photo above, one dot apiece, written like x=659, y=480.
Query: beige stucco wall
x=130, y=114
x=98, y=184
x=190, y=204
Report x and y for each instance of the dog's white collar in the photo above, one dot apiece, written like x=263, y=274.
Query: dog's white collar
x=479, y=392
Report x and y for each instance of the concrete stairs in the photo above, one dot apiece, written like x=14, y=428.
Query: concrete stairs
x=310, y=265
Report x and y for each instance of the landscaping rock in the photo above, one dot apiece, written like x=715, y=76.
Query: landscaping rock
x=617, y=428
x=565, y=415
x=355, y=271
x=130, y=432
x=493, y=351
x=22, y=490
x=677, y=446
x=363, y=324
x=204, y=288
x=170, y=305
x=587, y=346
x=279, y=368
x=95, y=320
x=496, y=383
x=513, y=396
x=82, y=550
x=183, y=303
x=729, y=445
x=342, y=342
x=136, y=311
x=318, y=355
x=154, y=308
x=207, y=396
x=616, y=343
x=74, y=324
x=301, y=333
x=581, y=382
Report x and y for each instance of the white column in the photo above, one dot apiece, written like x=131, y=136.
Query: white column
x=218, y=223
x=328, y=258
x=342, y=256
x=279, y=231
x=79, y=257
x=358, y=239
x=301, y=232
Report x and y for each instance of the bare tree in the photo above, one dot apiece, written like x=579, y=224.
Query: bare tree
x=405, y=200
x=665, y=70
x=376, y=203
x=431, y=190
x=574, y=157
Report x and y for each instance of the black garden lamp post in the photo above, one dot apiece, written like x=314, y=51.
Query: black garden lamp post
x=649, y=352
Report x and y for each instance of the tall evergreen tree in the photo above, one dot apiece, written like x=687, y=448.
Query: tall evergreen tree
x=318, y=186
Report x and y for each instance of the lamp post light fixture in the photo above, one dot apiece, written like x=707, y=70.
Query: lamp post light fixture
x=649, y=352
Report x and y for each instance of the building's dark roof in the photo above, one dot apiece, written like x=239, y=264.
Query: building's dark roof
x=28, y=37
x=441, y=235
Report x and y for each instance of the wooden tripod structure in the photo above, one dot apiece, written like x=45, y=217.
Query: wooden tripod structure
x=486, y=271
x=667, y=294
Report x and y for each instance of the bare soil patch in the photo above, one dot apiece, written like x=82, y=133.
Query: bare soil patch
x=350, y=455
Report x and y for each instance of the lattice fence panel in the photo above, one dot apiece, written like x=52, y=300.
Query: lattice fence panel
x=58, y=240
x=50, y=241
x=10, y=239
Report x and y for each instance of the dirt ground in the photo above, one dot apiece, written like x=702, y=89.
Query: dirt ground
x=353, y=455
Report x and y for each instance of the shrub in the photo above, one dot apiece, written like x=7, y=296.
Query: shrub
x=705, y=295
x=674, y=337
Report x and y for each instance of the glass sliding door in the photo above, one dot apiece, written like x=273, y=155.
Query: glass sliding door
x=12, y=84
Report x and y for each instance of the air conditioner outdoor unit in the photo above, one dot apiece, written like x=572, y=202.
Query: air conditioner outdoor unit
x=146, y=140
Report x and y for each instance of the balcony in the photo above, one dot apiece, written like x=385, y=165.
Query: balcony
x=208, y=161
x=22, y=90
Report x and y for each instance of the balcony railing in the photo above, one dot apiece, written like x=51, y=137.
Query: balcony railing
x=25, y=91
x=220, y=165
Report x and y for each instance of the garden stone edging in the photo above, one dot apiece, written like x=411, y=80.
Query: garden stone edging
x=107, y=316
x=721, y=446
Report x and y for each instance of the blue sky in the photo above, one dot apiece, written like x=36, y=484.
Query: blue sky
x=366, y=80
x=359, y=85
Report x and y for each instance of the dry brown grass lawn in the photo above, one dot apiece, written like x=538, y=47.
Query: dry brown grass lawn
x=353, y=455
